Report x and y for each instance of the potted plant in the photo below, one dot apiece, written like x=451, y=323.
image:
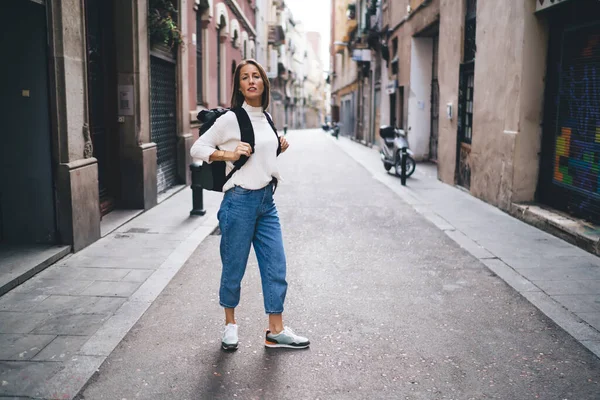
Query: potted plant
x=162, y=24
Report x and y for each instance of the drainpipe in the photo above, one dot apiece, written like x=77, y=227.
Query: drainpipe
x=373, y=103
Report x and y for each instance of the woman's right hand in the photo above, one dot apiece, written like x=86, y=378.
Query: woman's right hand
x=242, y=149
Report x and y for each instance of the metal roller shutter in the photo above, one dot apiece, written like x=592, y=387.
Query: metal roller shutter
x=573, y=117
x=163, y=121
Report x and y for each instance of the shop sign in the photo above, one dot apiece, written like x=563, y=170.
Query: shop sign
x=391, y=87
x=125, y=100
x=361, y=55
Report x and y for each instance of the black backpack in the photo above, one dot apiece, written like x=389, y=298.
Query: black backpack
x=213, y=176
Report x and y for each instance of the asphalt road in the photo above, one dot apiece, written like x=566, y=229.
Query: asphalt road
x=393, y=307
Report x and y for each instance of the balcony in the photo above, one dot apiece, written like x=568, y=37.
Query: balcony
x=276, y=35
x=279, y=4
x=351, y=26
x=341, y=45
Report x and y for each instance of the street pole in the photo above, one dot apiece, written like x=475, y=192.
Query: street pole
x=403, y=166
x=197, y=196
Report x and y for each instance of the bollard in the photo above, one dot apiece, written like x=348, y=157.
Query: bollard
x=403, y=166
x=197, y=199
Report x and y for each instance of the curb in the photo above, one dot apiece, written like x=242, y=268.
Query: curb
x=72, y=379
x=555, y=225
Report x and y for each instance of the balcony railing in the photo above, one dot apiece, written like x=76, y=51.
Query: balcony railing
x=276, y=35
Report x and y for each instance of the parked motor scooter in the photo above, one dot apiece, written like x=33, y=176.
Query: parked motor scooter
x=335, y=130
x=392, y=142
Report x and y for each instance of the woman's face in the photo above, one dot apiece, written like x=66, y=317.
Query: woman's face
x=251, y=85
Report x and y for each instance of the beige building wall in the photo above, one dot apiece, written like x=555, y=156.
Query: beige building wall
x=450, y=56
x=531, y=111
x=508, y=89
x=78, y=208
x=344, y=67
x=508, y=100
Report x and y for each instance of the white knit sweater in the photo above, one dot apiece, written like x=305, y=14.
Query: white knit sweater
x=225, y=133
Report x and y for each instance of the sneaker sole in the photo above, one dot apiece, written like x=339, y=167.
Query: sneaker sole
x=286, y=346
x=229, y=347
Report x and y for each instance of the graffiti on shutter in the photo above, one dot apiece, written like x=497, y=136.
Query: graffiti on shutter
x=577, y=142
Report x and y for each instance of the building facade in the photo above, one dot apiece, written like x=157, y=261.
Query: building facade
x=344, y=72
x=95, y=123
x=292, y=71
x=105, y=115
x=223, y=33
x=512, y=121
x=411, y=88
x=260, y=29
x=356, y=75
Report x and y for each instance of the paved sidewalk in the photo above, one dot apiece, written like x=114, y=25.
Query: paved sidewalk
x=560, y=279
x=58, y=328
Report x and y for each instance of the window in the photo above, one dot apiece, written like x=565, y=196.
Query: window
x=235, y=40
x=470, y=47
x=199, y=61
x=467, y=75
x=395, y=59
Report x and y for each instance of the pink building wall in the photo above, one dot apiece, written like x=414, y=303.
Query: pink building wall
x=232, y=54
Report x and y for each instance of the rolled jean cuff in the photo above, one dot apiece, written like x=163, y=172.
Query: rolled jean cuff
x=274, y=312
x=226, y=306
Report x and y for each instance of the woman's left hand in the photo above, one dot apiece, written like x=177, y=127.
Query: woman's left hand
x=284, y=144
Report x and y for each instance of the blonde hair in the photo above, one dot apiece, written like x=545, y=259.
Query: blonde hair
x=237, y=98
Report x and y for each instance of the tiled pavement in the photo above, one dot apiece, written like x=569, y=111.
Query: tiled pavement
x=57, y=328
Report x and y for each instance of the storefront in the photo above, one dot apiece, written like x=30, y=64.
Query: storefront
x=570, y=165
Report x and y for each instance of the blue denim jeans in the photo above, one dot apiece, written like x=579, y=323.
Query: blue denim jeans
x=250, y=217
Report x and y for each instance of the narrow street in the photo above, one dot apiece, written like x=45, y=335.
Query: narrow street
x=394, y=309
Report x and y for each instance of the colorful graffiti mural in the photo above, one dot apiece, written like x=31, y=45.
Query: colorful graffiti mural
x=577, y=145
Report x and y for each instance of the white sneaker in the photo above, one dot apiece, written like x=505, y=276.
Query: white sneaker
x=286, y=338
x=230, y=337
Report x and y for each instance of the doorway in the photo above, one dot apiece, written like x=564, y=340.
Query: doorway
x=393, y=119
x=102, y=98
x=435, y=102
x=466, y=86
x=27, y=208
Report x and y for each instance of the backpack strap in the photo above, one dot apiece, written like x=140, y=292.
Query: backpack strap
x=274, y=130
x=274, y=180
x=247, y=136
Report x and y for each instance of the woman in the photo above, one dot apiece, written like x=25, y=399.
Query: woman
x=248, y=214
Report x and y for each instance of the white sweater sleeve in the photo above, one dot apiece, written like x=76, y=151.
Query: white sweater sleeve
x=217, y=135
